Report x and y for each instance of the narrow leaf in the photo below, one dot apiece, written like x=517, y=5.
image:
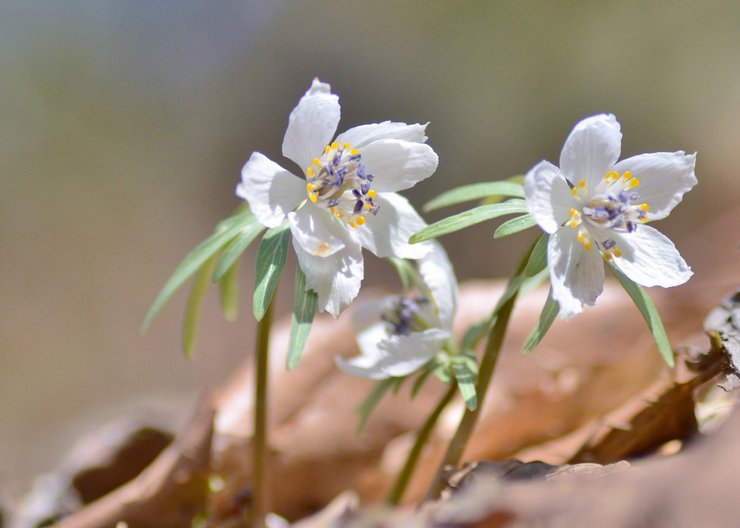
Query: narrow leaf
x=192, y=308
x=301, y=319
x=419, y=382
x=515, y=225
x=372, y=401
x=271, y=257
x=649, y=313
x=229, y=292
x=226, y=230
x=236, y=247
x=467, y=218
x=538, y=258
x=465, y=369
x=475, y=191
x=549, y=311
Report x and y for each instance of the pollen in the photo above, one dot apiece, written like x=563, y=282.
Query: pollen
x=616, y=252
x=309, y=172
x=360, y=220
x=632, y=183
x=315, y=161
x=645, y=207
x=582, y=183
x=626, y=176
x=345, y=146
x=354, y=152
x=611, y=176
x=334, y=146
x=371, y=193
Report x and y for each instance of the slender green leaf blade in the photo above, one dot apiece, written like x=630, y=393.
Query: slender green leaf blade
x=649, y=313
x=229, y=292
x=547, y=316
x=465, y=371
x=192, y=308
x=468, y=218
x=304, y=308
x=192, y=263
x=475, y=191
x=538, y=258
x=419, y=382
x=372, y=401
x=515, y=225
x=236, y=247
x=271, y=257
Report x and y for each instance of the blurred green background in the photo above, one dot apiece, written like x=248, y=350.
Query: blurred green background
x=125, y=125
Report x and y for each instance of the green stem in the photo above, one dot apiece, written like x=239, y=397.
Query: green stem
x=402, y=480
x=496, y=334
x=259, y=439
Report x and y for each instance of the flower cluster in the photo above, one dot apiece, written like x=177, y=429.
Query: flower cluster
x=347, y=200
x=595, y=209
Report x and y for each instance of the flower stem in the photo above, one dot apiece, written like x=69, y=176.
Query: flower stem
x=259, y=438
x=402, y=480
x=502, y=314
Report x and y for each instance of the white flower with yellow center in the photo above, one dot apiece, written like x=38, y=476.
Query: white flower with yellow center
x=347, y=200
x=596, y=208
x=398, y=335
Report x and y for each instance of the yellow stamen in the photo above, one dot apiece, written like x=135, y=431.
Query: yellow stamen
x=315, y=161
x=360, y=220
x=313, y=197
x=582, y=183
x=354, y=152
x=371, y=193
x=327, y=149
x=368, y=206
x=632, y=183
x=626, y=176
x=645, y=207
x=587, y=245
x=309, y=171
x=616, y=252
x=607, y=256
x=574, y=191
x=352, y=225
x=334, y=146
x=611, y=176
x=345, y=146
x=581, y=238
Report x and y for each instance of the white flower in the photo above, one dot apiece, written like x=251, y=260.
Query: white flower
x=398, y=335
x=347, y=200
x=596, y=208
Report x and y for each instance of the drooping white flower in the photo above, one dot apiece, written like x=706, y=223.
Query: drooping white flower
x=398, y=335
x=596, y=208
x=348, y=199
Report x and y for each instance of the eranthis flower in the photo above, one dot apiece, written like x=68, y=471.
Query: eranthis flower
x=398, y=335
x=347, y=200
x=596, y=208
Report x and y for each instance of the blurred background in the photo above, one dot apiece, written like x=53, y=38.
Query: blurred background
x=124, y=126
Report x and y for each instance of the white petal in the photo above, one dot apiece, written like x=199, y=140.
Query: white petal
x=362, y=135
x=591, y=149
x=398, y=164
x=576, y=275
x=272, y=191
x=387, y=233
x=336, y=278
x=438, y=275
x=649, y=258
x=548, y=196
x=664, y=178
x=397, y=355
x=311, y=124
x=316, y=231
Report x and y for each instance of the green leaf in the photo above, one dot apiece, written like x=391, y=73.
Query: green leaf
x=475, y=191
x=515, y=225
x=466, y=370
x=224, y=232
x=474, y=334
x=372, y=401
x=547, y=316
x=301, y=319
x=419, y=382
x=538, y=258
x=229, y=292
x=271, y=257
x=236, y=247
x=649, y=313
x=467, y=218
x=404, y=269
x=192, y=308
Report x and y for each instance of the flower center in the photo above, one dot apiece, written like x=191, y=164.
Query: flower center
x=612, y=206
x=405, y=316
x=338, y=181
